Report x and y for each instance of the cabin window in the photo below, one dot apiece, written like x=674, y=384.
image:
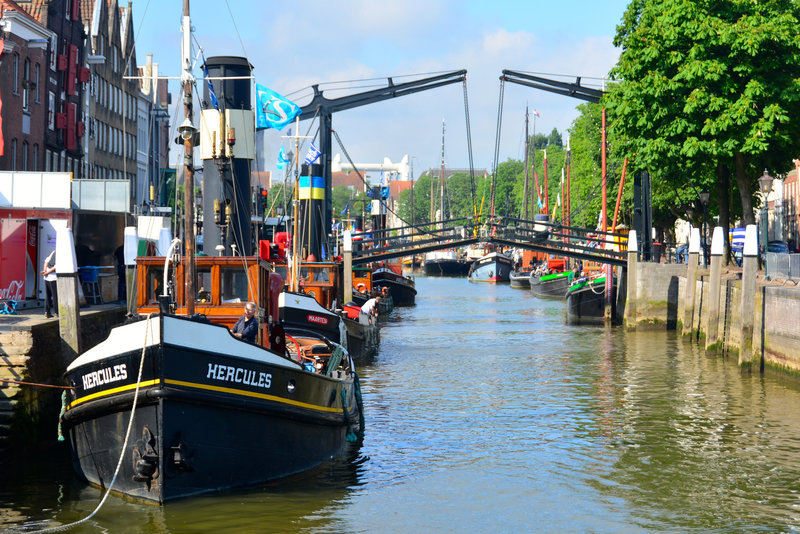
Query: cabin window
x=204, y=284
x=234, y=284
x=314, y=274
x=155, y=279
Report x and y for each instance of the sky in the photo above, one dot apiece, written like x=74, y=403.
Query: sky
x=294, y=45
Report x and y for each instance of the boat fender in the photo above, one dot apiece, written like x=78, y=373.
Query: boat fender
x=351, y=436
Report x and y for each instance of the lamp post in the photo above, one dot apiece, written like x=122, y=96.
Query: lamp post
x=704, y=198
x=765, y=184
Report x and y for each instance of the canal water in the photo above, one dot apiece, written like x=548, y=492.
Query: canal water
x=486, y=413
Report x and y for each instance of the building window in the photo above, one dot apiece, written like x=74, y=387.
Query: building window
x=24, y=155
x=51, y=110
x=13, y=154
x=15, y=74
x=35, y=161
x=53, y=52
x=36, y=84
x=26, y=83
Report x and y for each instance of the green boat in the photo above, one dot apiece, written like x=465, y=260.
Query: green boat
x=551, y=286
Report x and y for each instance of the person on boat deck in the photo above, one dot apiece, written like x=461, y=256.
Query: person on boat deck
x=371, y=306
x=384, y=292
x=246, y=327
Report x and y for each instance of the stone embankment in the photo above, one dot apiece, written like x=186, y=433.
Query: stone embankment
x=730, y=311
x=31, y=352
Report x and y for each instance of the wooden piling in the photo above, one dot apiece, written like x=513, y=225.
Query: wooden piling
x=690, y=290
x=749, y=269
x=347, y=250
x=131, y=249
x=630, y=316
x=712, y=325
x=67, y=281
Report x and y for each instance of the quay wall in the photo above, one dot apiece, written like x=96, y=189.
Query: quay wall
x=29, y=414
x=661, y=302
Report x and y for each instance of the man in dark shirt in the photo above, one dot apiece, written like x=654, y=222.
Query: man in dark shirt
x=246, y=327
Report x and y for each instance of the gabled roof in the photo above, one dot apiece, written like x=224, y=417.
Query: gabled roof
x=87, y=9
x=34, y=8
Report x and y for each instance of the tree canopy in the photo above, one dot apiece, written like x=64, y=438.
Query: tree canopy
x=706, y=89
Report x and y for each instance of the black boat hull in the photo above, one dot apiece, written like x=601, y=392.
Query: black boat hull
x=587, y=304
x=401, y=288
x=446, y=267
x=550, y=289
x=362, y=339
x=206, y=420
x=520, y=279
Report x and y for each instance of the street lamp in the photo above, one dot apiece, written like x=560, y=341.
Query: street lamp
x=704, y=196
x=765, y=184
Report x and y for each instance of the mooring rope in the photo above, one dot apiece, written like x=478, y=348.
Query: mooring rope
x=20, y=382
x=124, y=445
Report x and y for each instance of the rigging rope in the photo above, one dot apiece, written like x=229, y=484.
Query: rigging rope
x=497, y=145
x=469, y=149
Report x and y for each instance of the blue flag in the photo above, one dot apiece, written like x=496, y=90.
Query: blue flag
x=274, y=110
x=312, y=154
x=282, y=159
x=211, y=94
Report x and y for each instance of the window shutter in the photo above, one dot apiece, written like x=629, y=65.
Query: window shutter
x=70, y=137
x=72, y=68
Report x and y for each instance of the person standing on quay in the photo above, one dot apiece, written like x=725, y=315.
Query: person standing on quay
x=51, y=290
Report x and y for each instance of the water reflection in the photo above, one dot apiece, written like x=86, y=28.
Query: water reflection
x=485, y=412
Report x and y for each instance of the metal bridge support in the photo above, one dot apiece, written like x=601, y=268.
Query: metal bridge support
x=691, y=283
x=631, y=318
x=749, y=269
x=712, y=326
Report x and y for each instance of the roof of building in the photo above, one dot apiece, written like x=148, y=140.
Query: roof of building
x=398, y=186
x=32, y=9
x=87, y=9
x=347, y=179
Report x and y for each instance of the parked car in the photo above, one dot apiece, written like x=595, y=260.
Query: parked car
x=779, y=247
x=775, y=247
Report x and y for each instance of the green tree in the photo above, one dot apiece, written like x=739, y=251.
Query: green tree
x=706, y=90
x=554, y=139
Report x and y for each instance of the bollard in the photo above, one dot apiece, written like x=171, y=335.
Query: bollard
x=691, y=282
x=749, y=269
x=69, y=315
x=631, y=318
x=131, y=244
x=712, y=325
x=347, y=249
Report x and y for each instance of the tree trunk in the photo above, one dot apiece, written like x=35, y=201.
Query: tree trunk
x=748, y=217
x=724, y=204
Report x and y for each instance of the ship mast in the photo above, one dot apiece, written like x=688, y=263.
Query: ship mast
x=527, y=178
x=441, y=190
x=187, y=131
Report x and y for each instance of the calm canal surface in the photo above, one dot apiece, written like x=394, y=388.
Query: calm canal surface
x=485, y=413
